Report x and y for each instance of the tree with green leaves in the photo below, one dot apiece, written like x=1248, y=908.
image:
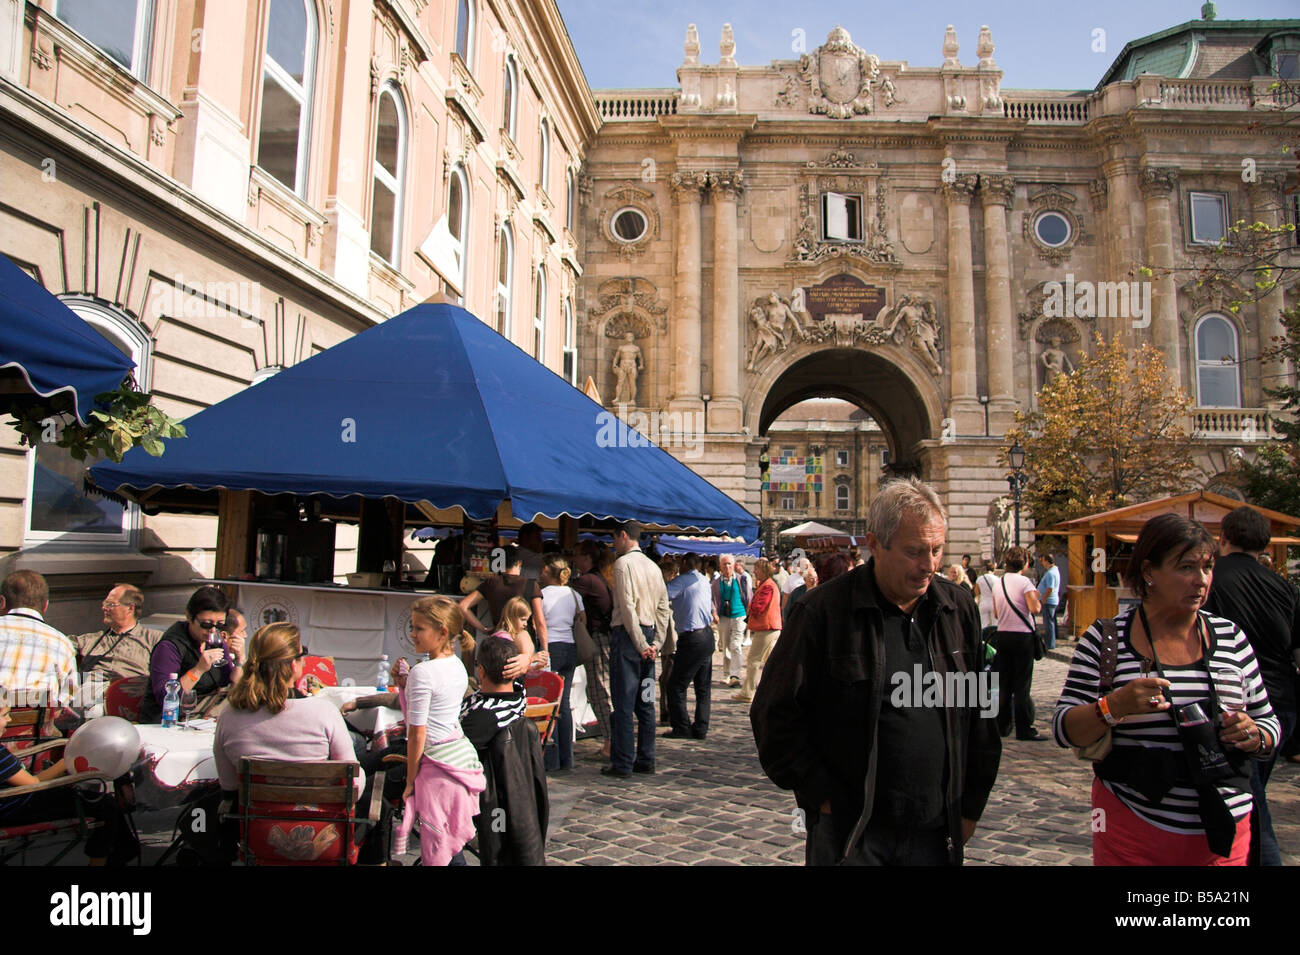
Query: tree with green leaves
x=1112, y=432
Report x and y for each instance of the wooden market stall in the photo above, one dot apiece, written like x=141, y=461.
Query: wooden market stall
x=1094, y=543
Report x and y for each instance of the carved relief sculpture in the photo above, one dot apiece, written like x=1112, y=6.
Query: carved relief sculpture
x=913, y=321
x=841, y=76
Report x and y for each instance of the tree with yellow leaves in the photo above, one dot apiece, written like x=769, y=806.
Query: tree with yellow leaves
x=1112, y=432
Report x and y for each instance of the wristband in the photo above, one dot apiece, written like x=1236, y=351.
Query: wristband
x=194, y=676
x=1103, y=710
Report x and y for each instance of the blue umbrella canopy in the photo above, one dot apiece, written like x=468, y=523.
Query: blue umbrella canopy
x=52, y=348
x=433, y=406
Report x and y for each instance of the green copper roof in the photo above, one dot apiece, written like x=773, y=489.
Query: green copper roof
x=1171, y=51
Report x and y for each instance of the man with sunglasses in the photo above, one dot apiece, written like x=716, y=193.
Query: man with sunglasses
x=188, y=649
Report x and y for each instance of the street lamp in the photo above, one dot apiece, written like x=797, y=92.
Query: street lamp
x=1017, y=480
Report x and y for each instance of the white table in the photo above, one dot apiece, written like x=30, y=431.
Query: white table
x=174, y=764
x=372, y=721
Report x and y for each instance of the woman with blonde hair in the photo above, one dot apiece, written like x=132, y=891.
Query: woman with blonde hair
x=563, y=607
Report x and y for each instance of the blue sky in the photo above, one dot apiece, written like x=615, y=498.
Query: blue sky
x=1038, y=45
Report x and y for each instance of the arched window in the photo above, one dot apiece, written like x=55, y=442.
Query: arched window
x=544, y=162
x=58, y=508
x=570, y=345
x=122, y=29
x=288, y=70
x=458, y=223
x=466, y=16
x=510, y=108
x=539, y=316
x=569, y=197
x=1218, y=383
x=505, y=280
x=388, y=176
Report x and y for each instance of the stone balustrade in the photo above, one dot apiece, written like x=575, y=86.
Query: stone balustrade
x=1237, y=425
x=1205, y=93
x=1046, y=109
x=633, y=105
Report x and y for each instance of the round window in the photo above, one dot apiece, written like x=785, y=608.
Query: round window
x=1052, y=229
x=628, y=225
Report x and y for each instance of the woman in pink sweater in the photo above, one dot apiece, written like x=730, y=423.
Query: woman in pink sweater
x=262, y=722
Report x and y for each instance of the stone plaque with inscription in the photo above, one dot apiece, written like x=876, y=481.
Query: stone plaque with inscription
x=844, y=295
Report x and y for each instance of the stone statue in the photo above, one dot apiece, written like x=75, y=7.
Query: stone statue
x=627, y=366
x=919, y=328
x=768, y=340
x=1000, y=516
x=778, y=313
x=1055, y=361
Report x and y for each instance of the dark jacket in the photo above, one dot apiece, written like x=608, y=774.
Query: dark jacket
x=514, y=809
x=816, y=712
x=177, y=636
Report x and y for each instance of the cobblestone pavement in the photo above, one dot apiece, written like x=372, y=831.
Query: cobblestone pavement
x=710, y=803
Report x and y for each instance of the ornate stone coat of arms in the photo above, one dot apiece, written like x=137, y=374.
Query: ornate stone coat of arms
x=841, y=75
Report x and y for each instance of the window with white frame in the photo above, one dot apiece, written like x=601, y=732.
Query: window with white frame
x=841, y=217
x=466, y=15
x=58, y=508
x=1209, y=211
x=505, y=279
x=570, y=345
x=122, y=29
x=510, y=107
x=787, y=452
x=842, y=497
x=787, y=502
x=841, y=459
x=539, y=316
x=884, y=457
x=388, y=176
x=569, y=199
x=544, y=160
x=288, y=70
x=458, y=223
x=1218, y=380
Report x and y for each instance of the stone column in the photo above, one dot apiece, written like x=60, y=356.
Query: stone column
x=725, y=410
x=997, y=193
x=1266, y=207
x=1124, y=215
x=687, y=188
x=965, y=410
x=1158, y=184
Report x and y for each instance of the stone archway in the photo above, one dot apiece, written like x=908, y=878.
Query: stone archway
x=896, y=391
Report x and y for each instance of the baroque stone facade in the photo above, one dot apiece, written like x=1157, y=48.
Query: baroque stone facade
x=932, y=246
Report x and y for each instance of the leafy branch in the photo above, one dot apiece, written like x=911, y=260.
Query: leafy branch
x=121, y=420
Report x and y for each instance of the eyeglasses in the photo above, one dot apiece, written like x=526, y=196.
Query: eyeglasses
x=110, y=604
x=302, y=652
x=211, y=624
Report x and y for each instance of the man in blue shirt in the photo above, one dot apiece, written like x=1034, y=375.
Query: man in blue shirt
x=692, y=602
x=1049, y=592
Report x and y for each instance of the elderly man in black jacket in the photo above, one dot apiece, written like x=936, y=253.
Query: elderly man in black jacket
x=874, y=708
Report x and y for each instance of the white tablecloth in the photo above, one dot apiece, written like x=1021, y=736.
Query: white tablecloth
x=174, y=763
x=377, y=719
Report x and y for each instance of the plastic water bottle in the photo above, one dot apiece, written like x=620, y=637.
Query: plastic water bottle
x=171, y=701
x=381, y=678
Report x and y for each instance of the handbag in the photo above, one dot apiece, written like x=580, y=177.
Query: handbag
x=582, y=642
x=1099, y=749
x=1040, y=646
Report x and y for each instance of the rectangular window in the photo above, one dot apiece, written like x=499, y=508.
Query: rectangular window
x=123, y=29
x=1209, y=217
x=787, y=452
x=842, y=497
x=787, y=502
x=884, y=457
x=1288, y=66
x=841, y=217
x=841, y=459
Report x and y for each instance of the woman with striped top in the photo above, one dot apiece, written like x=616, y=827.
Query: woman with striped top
x=1158, y=807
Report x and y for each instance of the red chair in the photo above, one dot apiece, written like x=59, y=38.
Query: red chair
x=321, y=669
x=29, y=729
x=544, y=690
x=124, y=696
x=301, y=813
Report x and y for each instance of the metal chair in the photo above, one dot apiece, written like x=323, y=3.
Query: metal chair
x=17, y=841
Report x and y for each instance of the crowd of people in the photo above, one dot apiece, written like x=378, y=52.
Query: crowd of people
x=1204, y=662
